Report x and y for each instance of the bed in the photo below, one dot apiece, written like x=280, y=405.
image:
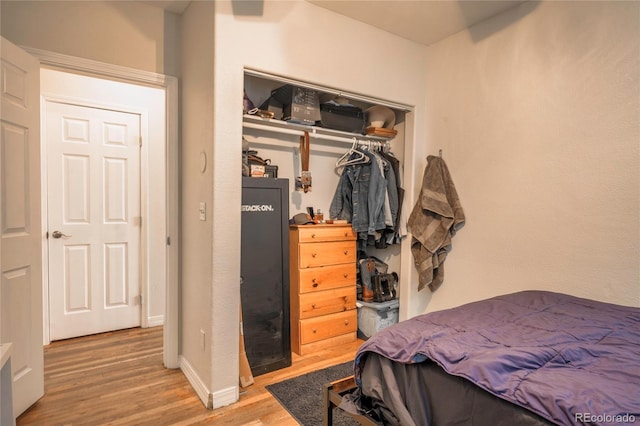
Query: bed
x=528, y=358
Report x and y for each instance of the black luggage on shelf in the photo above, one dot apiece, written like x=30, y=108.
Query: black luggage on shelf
x=347, y=118
x=295, y=104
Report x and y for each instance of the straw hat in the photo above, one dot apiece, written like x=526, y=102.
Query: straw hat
x=381, y=116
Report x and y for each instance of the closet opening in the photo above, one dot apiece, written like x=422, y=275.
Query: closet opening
x=288, y=144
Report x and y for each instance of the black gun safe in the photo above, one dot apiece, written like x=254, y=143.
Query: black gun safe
x=265, y=273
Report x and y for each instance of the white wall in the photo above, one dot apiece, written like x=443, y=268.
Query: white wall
x=196, y=186
x=538, y=113
x=126, y=33
x=302, y=41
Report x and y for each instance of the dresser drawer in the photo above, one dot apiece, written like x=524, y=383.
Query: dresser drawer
x=327, y=302
x=326, y=277
x=319, y=233
x=326, y=326
x=323, y=286
x=321, y=254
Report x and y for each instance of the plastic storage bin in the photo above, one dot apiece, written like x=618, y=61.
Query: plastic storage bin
x=373, y=317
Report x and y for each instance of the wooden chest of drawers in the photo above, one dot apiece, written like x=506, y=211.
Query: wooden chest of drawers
x=322, y=286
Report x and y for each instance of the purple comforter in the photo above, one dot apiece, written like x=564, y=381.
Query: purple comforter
x=570, y=360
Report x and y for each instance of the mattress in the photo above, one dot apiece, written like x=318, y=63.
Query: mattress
x=556, y=358
x=424, y=394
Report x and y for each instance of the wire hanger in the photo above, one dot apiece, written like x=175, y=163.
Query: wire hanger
x=377, y=145
x=345, y=160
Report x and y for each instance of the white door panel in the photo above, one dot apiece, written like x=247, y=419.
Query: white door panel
x=20, y=223
x=94, y=202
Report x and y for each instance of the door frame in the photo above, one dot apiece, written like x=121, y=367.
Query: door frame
x=170, y=85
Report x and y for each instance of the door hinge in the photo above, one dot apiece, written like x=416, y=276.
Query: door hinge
x=47, y=235
x=140, y=141
x=168, y=241
x=140, y=299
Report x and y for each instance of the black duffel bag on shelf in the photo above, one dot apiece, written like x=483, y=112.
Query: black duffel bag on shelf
x=348, y=118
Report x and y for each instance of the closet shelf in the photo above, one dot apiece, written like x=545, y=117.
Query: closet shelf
x=284, y=127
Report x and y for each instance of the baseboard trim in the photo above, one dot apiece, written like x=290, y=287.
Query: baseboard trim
x=201, y=389
x=210, y=400
x=225, y=397
x=155, y=321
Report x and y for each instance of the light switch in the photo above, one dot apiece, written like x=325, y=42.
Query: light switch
x=203, y=210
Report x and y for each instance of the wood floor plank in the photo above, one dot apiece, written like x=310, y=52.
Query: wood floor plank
x=117, y=378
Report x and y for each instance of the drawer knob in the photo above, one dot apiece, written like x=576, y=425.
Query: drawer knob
x=315, y=285
x=345, y=275
x=314, y=254
x=313, y=306
x=346, y=252
x=313, y=235
x=346, y=298
x=346, y=234
x=346, y=322
x=315, y=330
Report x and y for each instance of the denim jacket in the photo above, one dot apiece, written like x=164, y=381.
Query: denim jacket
x=359, y=196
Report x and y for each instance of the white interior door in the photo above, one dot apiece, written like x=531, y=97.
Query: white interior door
x=20, y=223
x=93, y=160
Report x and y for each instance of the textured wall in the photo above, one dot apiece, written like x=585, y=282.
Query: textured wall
x=196, y=186
x=538, y=113
x=125, y=33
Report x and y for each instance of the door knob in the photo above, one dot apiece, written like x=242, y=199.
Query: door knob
x=58, y=234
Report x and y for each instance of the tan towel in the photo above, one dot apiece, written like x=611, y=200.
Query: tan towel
x=435, y=218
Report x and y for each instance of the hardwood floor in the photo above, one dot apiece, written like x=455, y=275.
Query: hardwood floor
x=117, y=378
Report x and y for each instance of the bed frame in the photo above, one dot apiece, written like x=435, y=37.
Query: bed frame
x=332, y=395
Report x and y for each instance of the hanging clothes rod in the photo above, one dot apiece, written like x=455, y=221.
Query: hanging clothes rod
x=313, y=132
x=372, y=144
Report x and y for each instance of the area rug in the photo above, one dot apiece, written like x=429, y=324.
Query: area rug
x=302, y=395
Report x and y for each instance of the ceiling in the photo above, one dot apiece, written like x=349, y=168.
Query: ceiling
x=175, y=6
x=423, y=21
